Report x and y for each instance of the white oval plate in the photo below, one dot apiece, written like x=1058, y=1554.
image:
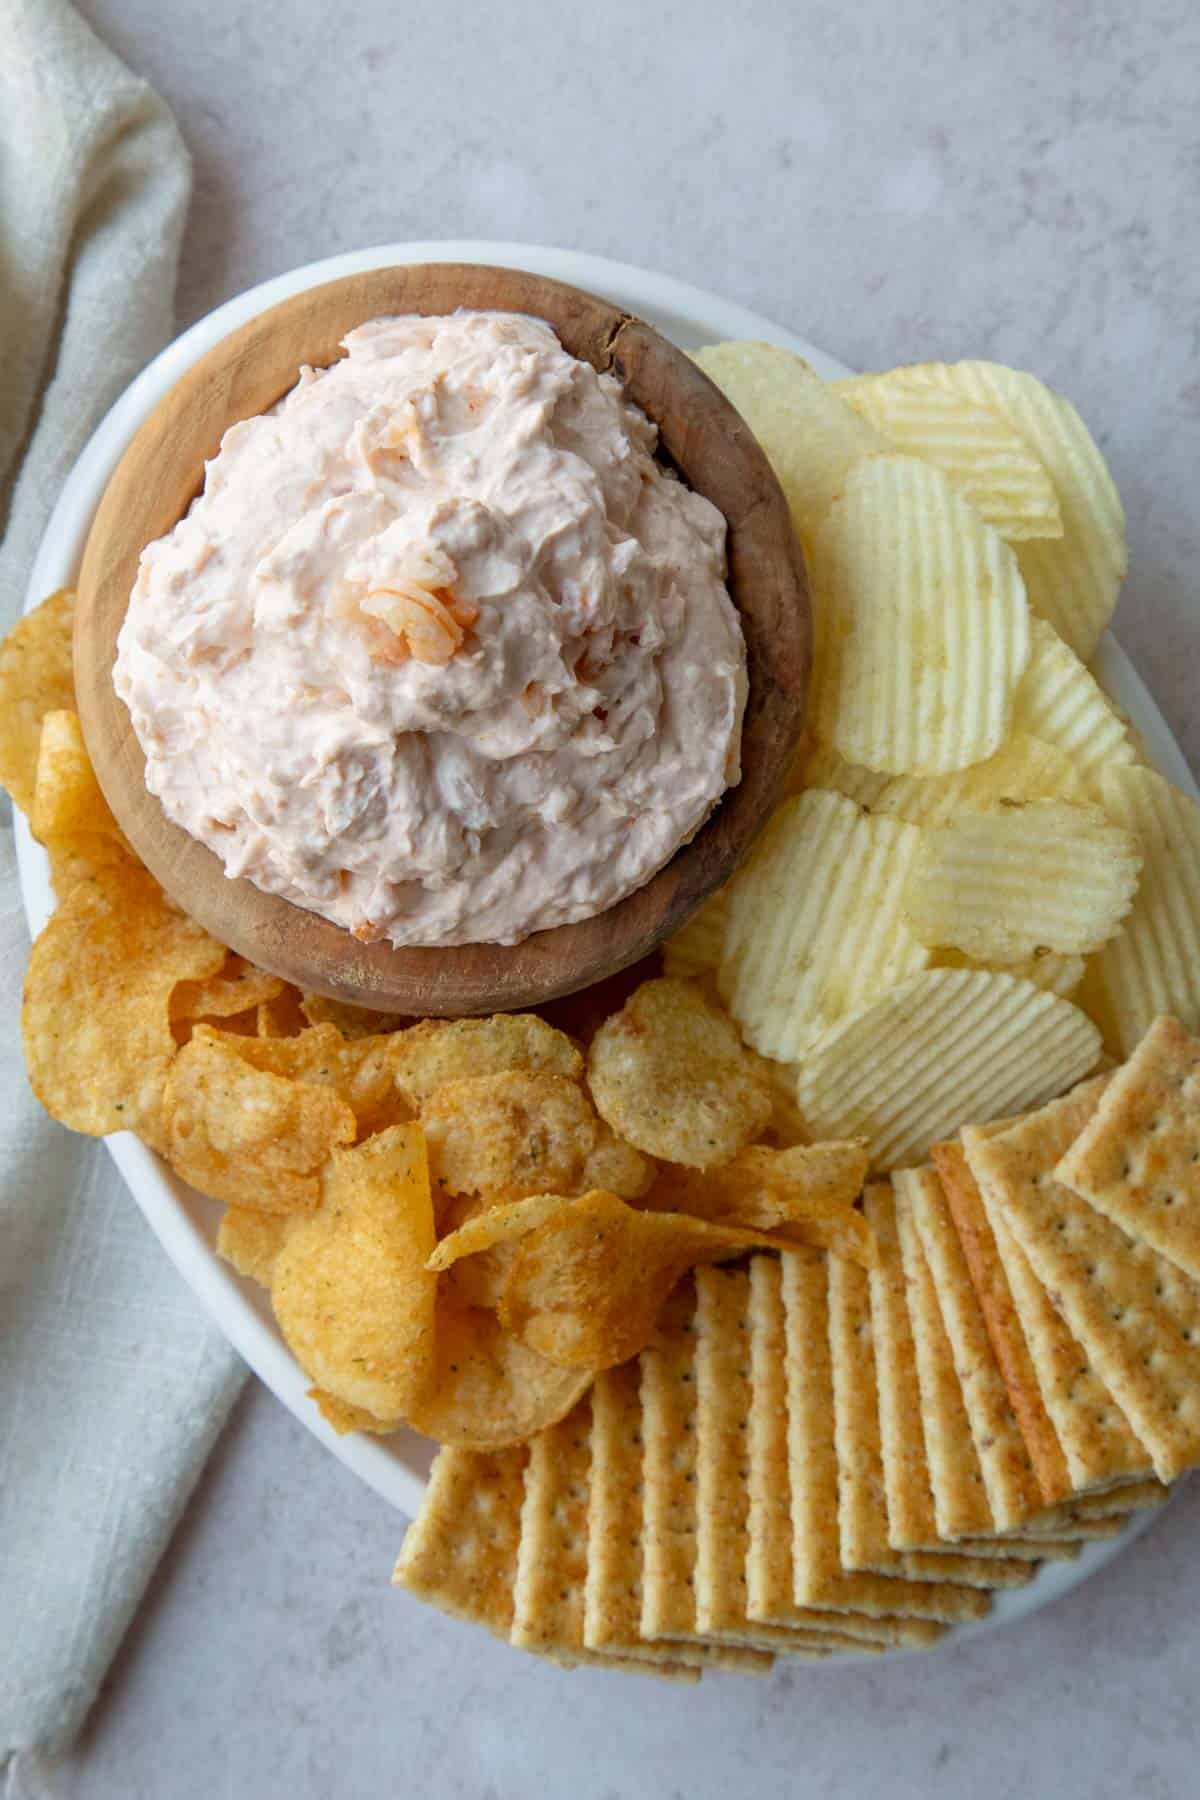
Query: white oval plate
x=186, y=1222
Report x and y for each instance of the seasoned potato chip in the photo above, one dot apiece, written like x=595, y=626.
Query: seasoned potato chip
x=282, y=1016
x=824, y=768
x=477, y=1279
x=1022, y=769
x=805, y=1195
x=345, y=1419
x=252, y=1240
x=250, y=1136
x=811, y=437
x=496, y=1225
x=84, y=854
x=988, y=461
x=66, y=794
x=1073, y=580
x=815, y=929
x=949, y=1046
x=488, y=1389
x=1060, y=702
x=696, y=947
x=586, y=1286
x=1047, y=969
x=95, y=1016
x=670, y=1073
x=35, y=678
x=922, y=627
x=350, y=1290
x=351, y=1021
x=238, y=987
x=524, y=1132
x=362, y=1071
x=999, y=885
x=436, y=1051
x=1152, y=966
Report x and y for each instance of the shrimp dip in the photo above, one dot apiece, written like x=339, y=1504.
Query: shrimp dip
x=441, y=652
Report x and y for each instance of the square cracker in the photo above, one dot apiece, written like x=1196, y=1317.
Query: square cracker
x=862, y=1502
x=1138, y=1158
x=612, y=1595
x=818, y=1574
x=1136, y=1315
x=769, y=1583
x=1098, y=1444
x=674, y=1518
x=460, y=1552
x=548, y=1590
x=912, y=1520
x=1013, y=1491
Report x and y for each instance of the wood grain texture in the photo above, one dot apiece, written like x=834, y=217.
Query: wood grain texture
x=701, y=436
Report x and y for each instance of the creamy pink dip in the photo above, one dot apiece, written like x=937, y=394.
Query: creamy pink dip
x=440, y=652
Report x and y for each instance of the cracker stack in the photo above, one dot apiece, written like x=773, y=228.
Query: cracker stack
x=813, y=1458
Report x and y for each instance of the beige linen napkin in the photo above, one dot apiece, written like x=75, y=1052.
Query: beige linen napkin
x=113, y=1385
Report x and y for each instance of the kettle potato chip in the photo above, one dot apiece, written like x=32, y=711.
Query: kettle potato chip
x=96, y=1012
x=805, y=1195
x=248, y=1135
x=252, y=1240
x=587, y=1284
x=670, y=1073
x=524, y=1132
x=66, y=795
x=36, y=677
x=488, y=1389
x=349, y=1286
x=437, y=1051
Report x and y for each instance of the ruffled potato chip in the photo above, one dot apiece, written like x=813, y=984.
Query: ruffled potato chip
x=524, y=1132
x=1048, y=969
x=1152, y=966
x=251, y=1241
x=824, y=768
x=349, y=1287
x=922, y=626
x=1022, y=769
x=805, y=1195
x=66, y=795
x=999, y=885
x=670, y=1073
x=96, y=1011
x=811, y=437
x=949, y=1046
x=1060, y=702
x=437, y=1051
x=586, y=1286
x=815, y=929
x=988, y=461
x=36, y=677
x=1072, y=580
x=695, y=949
x=488, y=1389
x=248, y=1135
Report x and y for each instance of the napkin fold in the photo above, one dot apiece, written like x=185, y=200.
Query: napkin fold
x=113, y=1384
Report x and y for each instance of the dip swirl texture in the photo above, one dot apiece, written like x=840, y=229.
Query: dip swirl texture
x=440, y=652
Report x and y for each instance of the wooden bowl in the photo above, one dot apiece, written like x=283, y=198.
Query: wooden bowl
x=701, y=436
